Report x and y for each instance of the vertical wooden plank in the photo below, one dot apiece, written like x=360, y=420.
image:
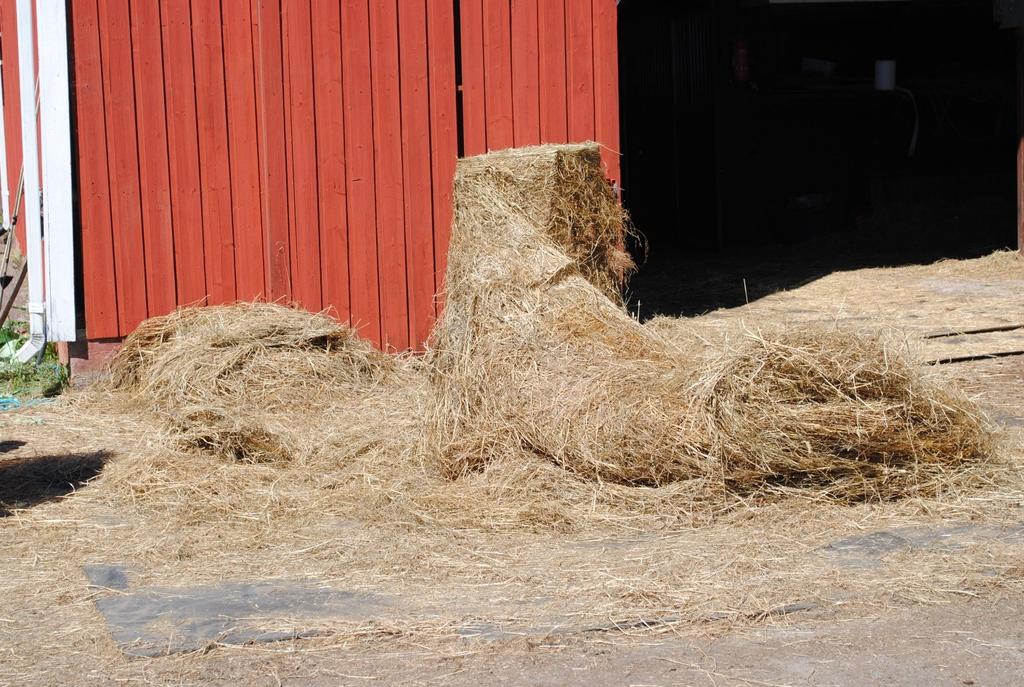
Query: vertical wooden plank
x=287, y=188
x=123, y=164
x=443, y=134
x=474, y=108
x=554, y=118
x=387, y=113
x=498, y=74
x=214, y=173
x=360, y=184
x=99, y=282
x=270, y=106
x=580, y=44
x=525, y=73
x=154, y=175
x=330, y=154
x=183, y=149
x=606, y=84
x=243, y=149
x=305, y=218
x=419, y=238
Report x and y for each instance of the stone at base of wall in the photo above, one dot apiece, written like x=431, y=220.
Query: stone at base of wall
x=89, y=359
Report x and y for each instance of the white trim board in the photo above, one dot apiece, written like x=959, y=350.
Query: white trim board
x=55, y=122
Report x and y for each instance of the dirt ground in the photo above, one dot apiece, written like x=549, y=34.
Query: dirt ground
x=973, y=643
x=798, y=592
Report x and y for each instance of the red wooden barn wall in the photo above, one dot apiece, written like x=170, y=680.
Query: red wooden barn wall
x=540, y=71
x=12, y=103
x=303, y=150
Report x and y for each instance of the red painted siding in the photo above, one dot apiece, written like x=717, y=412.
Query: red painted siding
x=304, y=150
x=183, y=140
x=301, y=135
x=526, y=73
x=387, y=128
x=443, y=131
x=330, y=155
x=540, y=71
x=416, y=172
x=154, y=177
x=12, y=98
x=123, y=163
x=99, y=279
x=498, y=73
x=359, y=149
x=243, y=150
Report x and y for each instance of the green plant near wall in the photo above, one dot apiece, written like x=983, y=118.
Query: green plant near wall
x=29, y=380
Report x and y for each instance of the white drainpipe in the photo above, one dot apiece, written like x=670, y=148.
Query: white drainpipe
x=30, y=162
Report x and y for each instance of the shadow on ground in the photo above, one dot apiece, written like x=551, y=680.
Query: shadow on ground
x=31, y=480
x=952, y=221
x=686, y=284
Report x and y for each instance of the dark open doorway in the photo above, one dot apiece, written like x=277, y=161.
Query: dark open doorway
x=767, y=142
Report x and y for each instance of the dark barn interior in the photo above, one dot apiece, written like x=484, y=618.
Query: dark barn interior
x=769, y=142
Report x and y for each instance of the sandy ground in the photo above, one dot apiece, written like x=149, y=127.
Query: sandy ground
x=799, y=592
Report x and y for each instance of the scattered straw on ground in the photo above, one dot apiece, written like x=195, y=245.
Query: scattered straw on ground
x=541, y=401
x=550, y=461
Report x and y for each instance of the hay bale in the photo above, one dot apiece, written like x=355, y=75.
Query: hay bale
x=531, y=352
x=535, y=354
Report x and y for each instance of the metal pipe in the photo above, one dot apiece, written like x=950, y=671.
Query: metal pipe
x=30, y=165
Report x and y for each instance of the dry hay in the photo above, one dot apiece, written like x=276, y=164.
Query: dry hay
x=530, y=356
x=849, y=415
x=541, y=401
x=289, y=449
x=253, y=381
x=260, y=352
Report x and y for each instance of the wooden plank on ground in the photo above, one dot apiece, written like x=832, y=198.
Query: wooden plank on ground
x=525, y=73
x=474, y=109
x=302, y=177
x=214, y=170
x=419, y=236
x=330, y=141
x=580, y=61
x=243, y=150
x=363, y=273
x=443, y=134
x=158, y=236
x=973, y=346
x=554, y=123
x=99, y=284
x=123, y=161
